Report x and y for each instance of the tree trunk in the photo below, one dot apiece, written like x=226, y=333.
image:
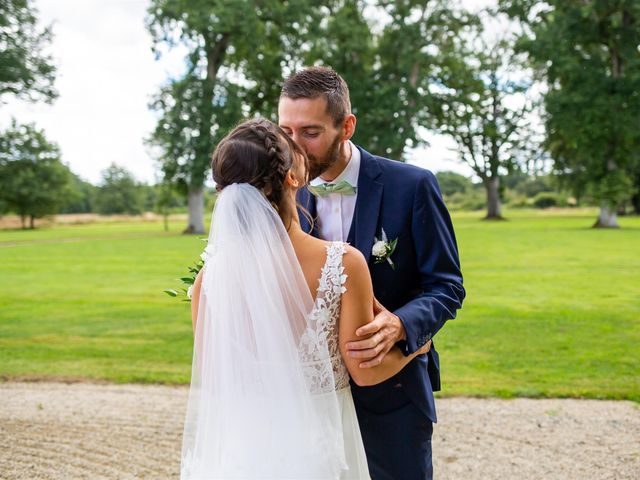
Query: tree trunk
x=607, y=217
x=32, y=222
x=635, y=199
x=494, y=207
x=196, y=211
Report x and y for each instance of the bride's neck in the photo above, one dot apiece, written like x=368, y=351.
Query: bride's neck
x=292, y=224
x=289, y=214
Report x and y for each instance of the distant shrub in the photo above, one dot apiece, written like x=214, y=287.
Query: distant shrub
x=471, y=200
x=514, y=199
x=549, y=199
x=451, y=183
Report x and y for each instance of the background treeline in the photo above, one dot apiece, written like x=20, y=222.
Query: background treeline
x=524, y=88
x=35, y=183
x=40, y=184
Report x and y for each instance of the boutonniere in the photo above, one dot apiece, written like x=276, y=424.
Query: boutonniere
x=383, y=248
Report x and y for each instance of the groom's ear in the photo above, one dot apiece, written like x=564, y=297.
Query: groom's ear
x=348, y=127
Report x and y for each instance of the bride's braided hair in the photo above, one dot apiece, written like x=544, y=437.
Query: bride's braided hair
x=256, y=152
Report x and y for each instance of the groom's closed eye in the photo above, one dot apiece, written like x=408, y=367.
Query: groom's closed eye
x=312, y=130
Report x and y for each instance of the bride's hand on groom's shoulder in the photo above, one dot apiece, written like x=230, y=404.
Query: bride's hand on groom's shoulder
x=380, y=336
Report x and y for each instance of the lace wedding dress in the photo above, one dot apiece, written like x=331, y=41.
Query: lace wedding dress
x=324, y=318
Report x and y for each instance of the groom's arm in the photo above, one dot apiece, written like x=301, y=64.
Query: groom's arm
x=441, y=291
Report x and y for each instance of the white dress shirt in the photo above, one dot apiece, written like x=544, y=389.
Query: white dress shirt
x=335, y=211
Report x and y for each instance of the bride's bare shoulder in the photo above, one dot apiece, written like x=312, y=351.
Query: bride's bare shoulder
x=315, y=250
x=354, y=262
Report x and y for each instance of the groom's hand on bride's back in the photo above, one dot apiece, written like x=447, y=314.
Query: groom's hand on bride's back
x=383, y=332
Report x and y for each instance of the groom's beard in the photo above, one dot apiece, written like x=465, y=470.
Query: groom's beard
x=318, y=166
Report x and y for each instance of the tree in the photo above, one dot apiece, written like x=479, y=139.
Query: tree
x=149, y=194
x=344, y=25
x=417, y=55
x=635, y=199
x=240, y=51
x=165, y=200
x=33, y=180
x=451, y=183
x=588, y=54
x=3, y=207
x=236, y=54
x=81, y=197
x=485, y=111
x=118, y=193
x=26, y=71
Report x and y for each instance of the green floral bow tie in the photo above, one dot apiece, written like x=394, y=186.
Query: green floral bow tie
x=324, y=189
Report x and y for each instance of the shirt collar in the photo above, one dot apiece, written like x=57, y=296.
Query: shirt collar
x=350, y=172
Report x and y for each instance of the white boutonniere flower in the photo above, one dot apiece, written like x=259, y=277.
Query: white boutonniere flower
x=383, y=248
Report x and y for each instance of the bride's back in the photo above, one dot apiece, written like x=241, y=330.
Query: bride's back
x=312, y=255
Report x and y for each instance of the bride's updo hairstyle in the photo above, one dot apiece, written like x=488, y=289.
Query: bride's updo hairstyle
x=257, y=152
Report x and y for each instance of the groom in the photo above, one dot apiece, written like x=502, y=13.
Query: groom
x=364, y=199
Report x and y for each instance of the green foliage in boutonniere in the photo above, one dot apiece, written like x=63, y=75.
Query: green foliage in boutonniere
x=188, y=280
x=383, y=248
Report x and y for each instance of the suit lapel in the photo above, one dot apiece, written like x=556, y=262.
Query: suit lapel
x=367, y=211
x=308, y=201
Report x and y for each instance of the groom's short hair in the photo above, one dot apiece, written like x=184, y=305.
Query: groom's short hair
x=315, y=82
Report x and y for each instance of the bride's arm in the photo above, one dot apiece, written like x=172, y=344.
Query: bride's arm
x=195, y=299
x=356, y=311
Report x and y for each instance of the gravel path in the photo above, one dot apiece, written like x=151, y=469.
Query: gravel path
x=91, y=431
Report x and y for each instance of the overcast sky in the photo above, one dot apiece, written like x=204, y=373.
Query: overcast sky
x=106, y=76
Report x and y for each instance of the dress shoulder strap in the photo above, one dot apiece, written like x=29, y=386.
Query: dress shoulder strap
x=333, y=277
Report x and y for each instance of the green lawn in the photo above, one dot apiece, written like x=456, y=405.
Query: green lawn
x=552, y=308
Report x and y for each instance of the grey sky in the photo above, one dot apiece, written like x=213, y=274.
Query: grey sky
x=106, y=76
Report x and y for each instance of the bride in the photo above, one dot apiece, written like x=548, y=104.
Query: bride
x=272, y=310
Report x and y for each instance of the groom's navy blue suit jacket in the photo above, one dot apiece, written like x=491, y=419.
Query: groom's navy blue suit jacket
x=425, y=288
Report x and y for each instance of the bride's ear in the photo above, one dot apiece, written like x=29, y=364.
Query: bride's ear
x=290, y=180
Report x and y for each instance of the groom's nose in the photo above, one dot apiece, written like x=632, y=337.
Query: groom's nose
x=296, y=137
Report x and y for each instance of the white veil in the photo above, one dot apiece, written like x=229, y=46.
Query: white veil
x=262, y=402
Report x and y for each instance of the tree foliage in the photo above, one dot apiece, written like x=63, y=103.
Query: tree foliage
x=81, y=196
x=239, y=53
x=417, y=57
x=26, y=70
x=486, y=111
x=451, y=183
x=588, y=53
x=118, y=193
x=33, y=180
x=236, y=53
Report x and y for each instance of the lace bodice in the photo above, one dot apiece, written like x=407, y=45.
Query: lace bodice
x=323, y=321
